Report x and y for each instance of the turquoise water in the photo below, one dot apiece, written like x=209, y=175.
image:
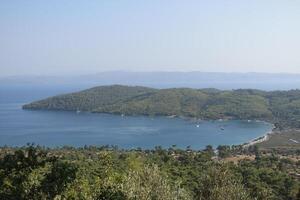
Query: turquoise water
x=58, y=128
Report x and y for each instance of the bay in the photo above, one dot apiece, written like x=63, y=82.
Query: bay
x=59, y=128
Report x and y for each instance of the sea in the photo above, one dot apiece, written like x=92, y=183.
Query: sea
x=19, y=127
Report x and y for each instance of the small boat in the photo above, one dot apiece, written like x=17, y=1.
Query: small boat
x=222, y=128
x=171, y=116
x=197, y=125
x=78, y=111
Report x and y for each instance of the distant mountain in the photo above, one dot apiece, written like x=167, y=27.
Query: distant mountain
x=224, y=81
x=278, y=106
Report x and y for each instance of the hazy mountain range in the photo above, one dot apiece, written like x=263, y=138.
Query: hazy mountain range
x=263, y=81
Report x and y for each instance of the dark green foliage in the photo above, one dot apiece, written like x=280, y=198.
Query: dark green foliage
x=90, y=99
x=15, y=169
x=19, y=168
x=224, y=151
x=279, y=107
x=56, y=181
x=106, y=173
x=111, y=193
x=268, y=178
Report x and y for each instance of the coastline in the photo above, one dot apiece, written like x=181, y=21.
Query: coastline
x=265, y=137
x=252, y=142
x=260, y=139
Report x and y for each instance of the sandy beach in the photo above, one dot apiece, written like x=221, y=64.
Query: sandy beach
x=260, y=139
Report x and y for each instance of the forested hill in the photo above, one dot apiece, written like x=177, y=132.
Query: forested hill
x=281, y=107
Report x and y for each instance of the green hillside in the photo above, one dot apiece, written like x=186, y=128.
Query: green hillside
x=90, y=99
x=280, y=107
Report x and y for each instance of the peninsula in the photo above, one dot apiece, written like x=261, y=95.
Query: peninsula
x=281, y=108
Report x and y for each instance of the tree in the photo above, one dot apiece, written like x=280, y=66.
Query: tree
x=223, y=151
x=150, y=184
x=220, y=184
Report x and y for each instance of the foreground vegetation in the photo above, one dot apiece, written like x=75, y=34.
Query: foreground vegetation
x=282, y=108
x=108, y=173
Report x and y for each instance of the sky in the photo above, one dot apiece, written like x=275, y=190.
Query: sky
x=60, y=37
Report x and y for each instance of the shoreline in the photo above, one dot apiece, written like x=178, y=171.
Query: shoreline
x=257, y=140
x=260, y=139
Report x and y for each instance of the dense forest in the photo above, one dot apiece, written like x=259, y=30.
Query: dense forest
x=104, y=173
x=279, y=107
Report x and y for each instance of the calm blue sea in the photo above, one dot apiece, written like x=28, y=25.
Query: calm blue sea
x=58, y=128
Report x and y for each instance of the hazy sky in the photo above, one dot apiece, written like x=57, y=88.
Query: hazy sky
x=59, y=37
